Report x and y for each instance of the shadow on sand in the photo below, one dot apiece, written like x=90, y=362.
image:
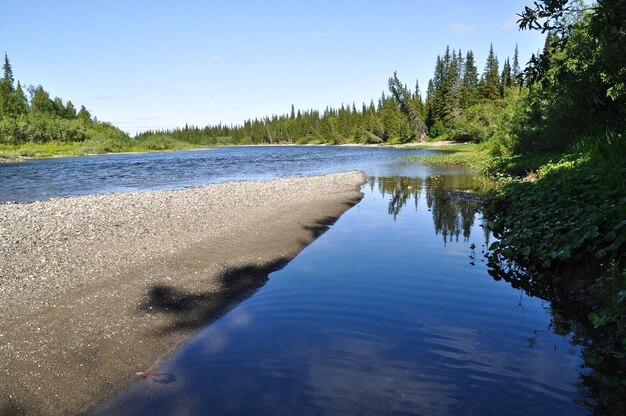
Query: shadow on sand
x=192, y=310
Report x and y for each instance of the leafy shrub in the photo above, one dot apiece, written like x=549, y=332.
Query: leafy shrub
x=160, y=142
x=574, y=214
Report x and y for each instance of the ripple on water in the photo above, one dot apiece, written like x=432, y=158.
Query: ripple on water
x=383, y=314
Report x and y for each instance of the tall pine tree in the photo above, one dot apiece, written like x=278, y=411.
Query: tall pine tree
x=469, y=84
x=516, y=72
x=491, y=77
x=505, y=78
x=7, y=90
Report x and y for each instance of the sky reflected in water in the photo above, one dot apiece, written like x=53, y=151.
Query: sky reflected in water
x=390, y=312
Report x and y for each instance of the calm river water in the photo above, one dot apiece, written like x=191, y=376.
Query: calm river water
x=392, y=311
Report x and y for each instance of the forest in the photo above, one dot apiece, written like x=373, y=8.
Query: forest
x=461, y=103
x=456, y=98
x=33, y=124
x=38, y=121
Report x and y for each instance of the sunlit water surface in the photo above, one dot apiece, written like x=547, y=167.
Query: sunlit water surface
x=391, y=311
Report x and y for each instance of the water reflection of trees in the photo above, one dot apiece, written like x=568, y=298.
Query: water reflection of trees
x=604, y=380
x=453, y=212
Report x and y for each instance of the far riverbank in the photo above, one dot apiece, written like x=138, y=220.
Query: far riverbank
x=32, y=151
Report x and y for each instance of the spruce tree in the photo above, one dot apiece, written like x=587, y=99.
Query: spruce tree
x=7, y=73
x=21, y=102
x=491, y=77
x=515, y=69
x=469, y=84
x=7, y=92
x=84, y=115
x=451, y=91
x=505, y=77
x=70, y=112
x=446, y=84
x=407, y=105
x=430, y=104
x=417, y=100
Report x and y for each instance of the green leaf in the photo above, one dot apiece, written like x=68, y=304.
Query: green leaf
x=526, y=251
x=611, y=382
x=596, y=319
x=610, y=236
x=618, y=242
x=564, y=254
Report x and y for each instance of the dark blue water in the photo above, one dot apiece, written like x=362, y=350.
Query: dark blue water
x=390, y=312
x=47, y=178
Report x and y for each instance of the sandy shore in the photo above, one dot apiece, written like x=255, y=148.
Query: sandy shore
x=95, y=288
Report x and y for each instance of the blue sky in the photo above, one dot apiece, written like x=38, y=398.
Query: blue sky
x=159, y=64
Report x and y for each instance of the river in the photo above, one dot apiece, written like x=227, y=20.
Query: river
x=392, y=311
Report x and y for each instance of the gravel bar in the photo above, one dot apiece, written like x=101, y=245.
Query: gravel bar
x=95, y=288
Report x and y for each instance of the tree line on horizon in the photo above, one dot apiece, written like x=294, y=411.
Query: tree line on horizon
x=398, y=115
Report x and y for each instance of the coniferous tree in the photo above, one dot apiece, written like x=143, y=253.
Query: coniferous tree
x=407, y=105
x=505, y=77
x=430, y=104
x=469, y=84
x=460, y=62
x=417, y=100
x=7, y=72
x=7, y=92
x=452, y=87
x=447, y=81
x=21, y=102
x=439, y=86
x=515, y=69
x=59, y=107
x=40, y=101
x=390, y=117
x=84, y=115
x=491, y=77
x=70, y=112
x=438, y=77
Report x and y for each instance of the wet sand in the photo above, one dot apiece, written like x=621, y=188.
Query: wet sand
x=96, y=288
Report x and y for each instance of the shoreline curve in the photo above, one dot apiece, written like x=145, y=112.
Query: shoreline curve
x=96, y=288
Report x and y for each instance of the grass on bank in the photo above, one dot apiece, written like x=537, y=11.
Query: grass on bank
x=117, y=144
x=471, y=155
x=479, y=157
x=570, y=226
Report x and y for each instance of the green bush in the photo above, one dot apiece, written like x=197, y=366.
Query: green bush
x=575, y=213
x=160, y=142
x=570, y=225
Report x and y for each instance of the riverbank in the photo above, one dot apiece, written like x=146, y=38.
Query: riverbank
x=32, y=151
x=97, y=288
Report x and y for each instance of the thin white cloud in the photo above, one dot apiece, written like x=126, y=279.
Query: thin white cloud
x=313, y=34
x=461, y=28
x=216, y=58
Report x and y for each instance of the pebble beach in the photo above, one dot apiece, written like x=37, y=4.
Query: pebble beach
x=94, y=289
